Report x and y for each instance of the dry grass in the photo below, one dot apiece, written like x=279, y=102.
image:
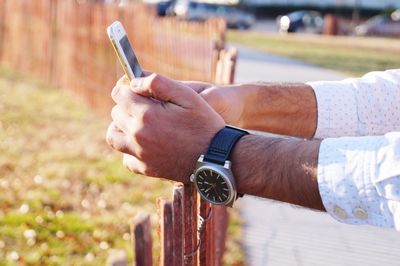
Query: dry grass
x=65, y=198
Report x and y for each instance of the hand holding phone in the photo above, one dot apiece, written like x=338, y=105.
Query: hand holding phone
x=124, y=51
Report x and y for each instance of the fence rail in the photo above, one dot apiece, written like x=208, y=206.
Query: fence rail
x=64, y=42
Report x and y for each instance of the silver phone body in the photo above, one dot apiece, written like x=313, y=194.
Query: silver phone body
x=123, y=48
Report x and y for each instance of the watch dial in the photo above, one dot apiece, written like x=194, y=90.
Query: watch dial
x=212, y=186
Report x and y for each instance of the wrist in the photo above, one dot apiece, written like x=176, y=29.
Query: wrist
x=213, y=176
x=228, y=102
x=278, y=168
x=247, y=102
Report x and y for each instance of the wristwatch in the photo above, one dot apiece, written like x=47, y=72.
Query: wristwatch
x=213, y=177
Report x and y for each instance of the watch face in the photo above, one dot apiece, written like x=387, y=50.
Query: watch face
x=213, y=186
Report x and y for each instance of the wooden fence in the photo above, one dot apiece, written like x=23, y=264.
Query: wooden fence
x=191, y=231
x=64, y=43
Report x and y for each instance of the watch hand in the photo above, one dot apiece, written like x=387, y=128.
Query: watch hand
x=208, y=189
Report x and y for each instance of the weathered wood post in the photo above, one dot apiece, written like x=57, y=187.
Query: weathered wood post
x=190, y=225
x=141, y=240
x=177, y=209
x=166, y=232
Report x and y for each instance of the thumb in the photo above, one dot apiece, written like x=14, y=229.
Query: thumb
x=164, y=89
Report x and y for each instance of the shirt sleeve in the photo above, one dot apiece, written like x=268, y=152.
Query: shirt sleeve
x=358, y=106
x=359, y=179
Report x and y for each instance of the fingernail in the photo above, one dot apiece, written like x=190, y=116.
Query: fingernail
x=136, y=82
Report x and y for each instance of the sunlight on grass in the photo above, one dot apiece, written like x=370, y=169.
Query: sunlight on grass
x=65, y=198
x=351, y=55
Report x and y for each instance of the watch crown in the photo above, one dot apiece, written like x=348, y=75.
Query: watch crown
x=192, y=178
x=227, y=164
x=201, y=158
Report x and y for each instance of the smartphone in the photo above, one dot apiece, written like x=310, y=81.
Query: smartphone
x=123, y=48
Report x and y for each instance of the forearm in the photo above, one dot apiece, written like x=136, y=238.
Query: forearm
x=279, y=169
x=288, y=109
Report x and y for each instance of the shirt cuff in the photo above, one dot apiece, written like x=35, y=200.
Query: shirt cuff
x=337, y=109
x=354, y=185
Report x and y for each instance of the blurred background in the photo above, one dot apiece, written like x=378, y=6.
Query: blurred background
x=65, y=198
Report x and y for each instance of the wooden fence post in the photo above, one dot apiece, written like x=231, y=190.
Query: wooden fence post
x=207, y=236
x=233, y=53
x=220, y=220
x=190, y=225
x=141, y=240
x=177, y=208
x=166, y=232
x=330, y=25
x=226, y=66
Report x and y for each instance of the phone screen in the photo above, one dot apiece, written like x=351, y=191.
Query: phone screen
x=131, y=57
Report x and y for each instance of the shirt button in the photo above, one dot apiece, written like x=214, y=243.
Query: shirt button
x=360, y=213
x=342, y=214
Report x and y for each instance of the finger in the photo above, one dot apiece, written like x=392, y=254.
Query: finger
x=133, y=164
x=197, y=86
x=123, y=120
x=117, y=139
x=129, y=100
x=123, y=81
x=164, y=89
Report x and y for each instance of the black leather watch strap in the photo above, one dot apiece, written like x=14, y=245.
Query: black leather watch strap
x=222, y=144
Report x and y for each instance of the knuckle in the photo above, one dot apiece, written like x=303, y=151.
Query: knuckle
x=114, y=112
x=110, y=135
x=115, y=91
x=121, y=94
x=140, y=138
x=109, y=139
x=144, y=155
x=129, y=165
x=121, y=146
x=147, y=116
x=148, y=171
x=154, y=80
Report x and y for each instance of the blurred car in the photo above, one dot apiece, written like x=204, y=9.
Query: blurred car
x=163, y=6
x=381, y=25
x=307, y=21
x=234, y=17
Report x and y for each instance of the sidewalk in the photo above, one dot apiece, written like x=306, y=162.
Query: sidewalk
x=277, y=234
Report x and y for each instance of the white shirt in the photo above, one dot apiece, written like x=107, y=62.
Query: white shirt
x=359, y=177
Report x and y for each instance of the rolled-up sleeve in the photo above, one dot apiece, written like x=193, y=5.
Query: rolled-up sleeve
x=358, y=106
x=359, y=179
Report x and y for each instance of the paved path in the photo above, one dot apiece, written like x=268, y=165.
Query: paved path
x=277, y=234
x=256, y=66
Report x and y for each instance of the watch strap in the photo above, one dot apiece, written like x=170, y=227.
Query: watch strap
x=222, y=144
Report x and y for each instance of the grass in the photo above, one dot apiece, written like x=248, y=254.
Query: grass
x=65, y=198
x=354, y=56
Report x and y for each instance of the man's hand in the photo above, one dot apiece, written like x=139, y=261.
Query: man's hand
x=227, y=101
x=161, y=125
x=288, y=109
